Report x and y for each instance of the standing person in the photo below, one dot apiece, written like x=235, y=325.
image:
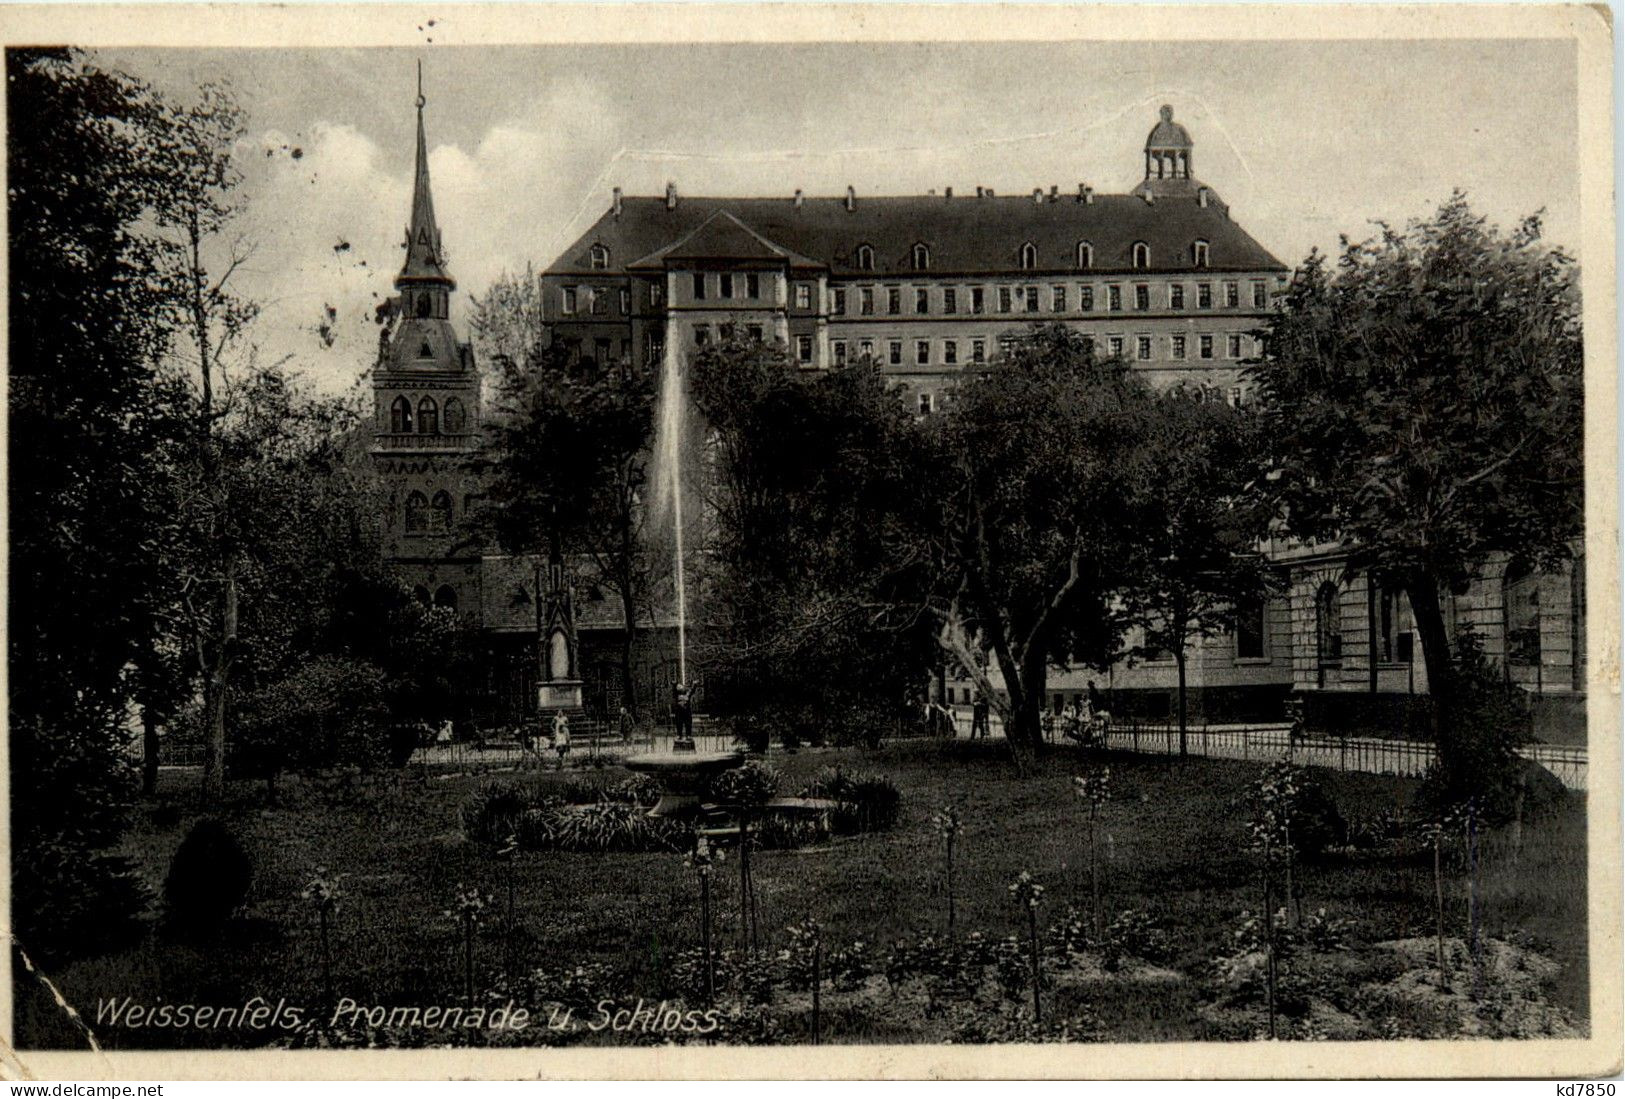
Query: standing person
x=626, y=725
x=682, y=712
x=979, y=725
x=561, y=737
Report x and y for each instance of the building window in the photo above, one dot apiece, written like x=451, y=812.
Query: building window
x=1114, y=345
x=1328, y=630
x=725, y=333
x=1204, y=346
x=654, y=346
x=1176, y=295
x=1232, y=295
x=1142, y=297
x=925, y=404
x=454, y=419
x=1142, y=347
x=978, y=299
x=1176, y=347
x=600, y=351
x=894, y=352
x=428, y=417
x=894, y=300
x=1029, y=256
x=804, y=350
x=866, y=350
x=922, y=352
x=921, y=257
x=1204, y=295
x=1235, y=396
x=417, y=513
x=657, y=294
x=866, y=301
x=866, y=258
x=568, y=305
x=1250, y=628
x=922, y=300
x=699, y=286
x=1233, y=345
x=598, y=259
x=838, y=303
x=803, y=295
x=1057, y=299
x=754, y=331
x=440, y=511
x=1004, y=299
x=950, y=300
x=1114, y=298
x=838, y=347
x=702, y=335
x=1031, y=294
x=1142, y=254
x=1086, y=298
x=950, y=352
x=1521, y=592
x=725, y=285
x=1086, y=255
x=598, y=301
x=1199, y=253
x=400, y=416
x=978, y=351
x=1261, y=295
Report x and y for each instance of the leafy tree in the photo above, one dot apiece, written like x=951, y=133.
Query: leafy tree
x=811, y=485
x=570, y=455
x=89, y=421
x=327, y=712
x=1199, y=524
x=1424, y=396
x=1041, y=466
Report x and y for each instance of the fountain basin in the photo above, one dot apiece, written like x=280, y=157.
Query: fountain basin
x=682, y=776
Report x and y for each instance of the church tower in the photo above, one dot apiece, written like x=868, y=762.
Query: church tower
x=426, y=408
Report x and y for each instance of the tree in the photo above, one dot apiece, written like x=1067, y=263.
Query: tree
x=811, y=483
x=1199, y=525
x=1424, y=399
x=1040, y=464
x=570, y=456
x=89, y=421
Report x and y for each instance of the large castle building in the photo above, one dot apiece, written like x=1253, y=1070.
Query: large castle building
x=927, y=287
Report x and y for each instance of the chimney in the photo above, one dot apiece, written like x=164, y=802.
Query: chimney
x=990, y=192
x=1086, y=194
x=947, y=192
x=1150, y=199
x=1202, y=197
x=980, y=192
x=798, y=198
x=1054, y=192
x=671, y=195
x=851, y=198
x=615, y=201
x=1038, y=194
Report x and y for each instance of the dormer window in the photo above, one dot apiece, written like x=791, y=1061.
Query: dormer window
x=598, y=258
x=1029, y=256
x=1199, y=253
x=921, y=258
x=1142, y=254
x=1086, y=255
x=865, y=258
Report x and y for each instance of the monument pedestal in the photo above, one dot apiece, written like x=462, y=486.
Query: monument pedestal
x=565, y=694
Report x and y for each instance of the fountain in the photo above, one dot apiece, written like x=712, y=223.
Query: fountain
x=683, y=771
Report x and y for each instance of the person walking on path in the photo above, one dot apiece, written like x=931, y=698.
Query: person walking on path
x=561, y=737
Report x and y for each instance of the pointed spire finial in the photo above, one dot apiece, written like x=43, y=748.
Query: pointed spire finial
x=422, y=102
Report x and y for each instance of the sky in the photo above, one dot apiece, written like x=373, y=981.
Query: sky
x=1305, y=140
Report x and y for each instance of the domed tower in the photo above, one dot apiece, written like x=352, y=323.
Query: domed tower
x=1167, y=159
x=426, y=400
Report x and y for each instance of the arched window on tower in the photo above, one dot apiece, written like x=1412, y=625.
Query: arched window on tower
x=400, y=416
x=421, y=594
x=1029, y=256
x=1142, y=254
x=417, y=513
x=428, y=417
x=865, y=258
x=1199, y=253
x=440, y=511
x=1086, y=255
x=453, y=418
x=921, y=258
x=446, y=596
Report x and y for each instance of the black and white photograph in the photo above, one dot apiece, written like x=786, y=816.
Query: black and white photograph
x=545, y=538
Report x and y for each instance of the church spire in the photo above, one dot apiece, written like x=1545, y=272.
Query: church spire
x=424, y=262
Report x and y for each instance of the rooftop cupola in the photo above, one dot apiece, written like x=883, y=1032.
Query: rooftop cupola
x=1168, y=149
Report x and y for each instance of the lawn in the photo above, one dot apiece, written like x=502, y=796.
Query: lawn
x=1172, y=843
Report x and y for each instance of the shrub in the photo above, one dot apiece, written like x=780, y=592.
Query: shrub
x=492, y=813
x=208, y=878
x=868, y=802
x=1492, y=721
x=781, y=833
x=610, y=826
x=752, y=784
x=69, y=903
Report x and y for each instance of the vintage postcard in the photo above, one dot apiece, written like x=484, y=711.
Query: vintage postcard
x=789, y=541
